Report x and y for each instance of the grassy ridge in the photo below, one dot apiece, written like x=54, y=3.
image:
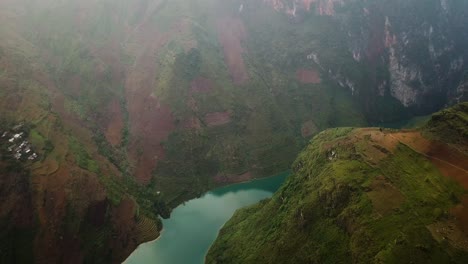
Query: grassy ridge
x=450, y=125
x=354, y=197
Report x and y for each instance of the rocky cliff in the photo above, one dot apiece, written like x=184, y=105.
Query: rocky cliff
x=414, y=51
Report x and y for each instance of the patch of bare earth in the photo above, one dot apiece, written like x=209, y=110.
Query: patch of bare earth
x=461, y=213
x=217, y=118
x=150, y=121
x=450, y=162
x=372, y=143
x=201, y=85
x=231, y=34
x=116, y=123
x=450, y=232
x=384, y=196
x=308, y=76
x=383, y=138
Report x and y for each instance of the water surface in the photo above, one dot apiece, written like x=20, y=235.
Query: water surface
x=193, y=226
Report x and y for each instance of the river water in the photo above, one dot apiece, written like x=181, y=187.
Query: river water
x=193, y=226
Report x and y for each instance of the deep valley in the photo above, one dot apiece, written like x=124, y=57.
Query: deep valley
x=122, y=110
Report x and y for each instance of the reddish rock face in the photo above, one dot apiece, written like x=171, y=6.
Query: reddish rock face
x=232, y=33
x=276, y=4
x=326, y=7
x=217, y=118
x=116, y=123
x=308, y=76
x=308, y=3
x=321, y=7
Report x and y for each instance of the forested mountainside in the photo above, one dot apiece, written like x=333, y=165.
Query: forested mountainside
x=133, y=107
x=363, y=195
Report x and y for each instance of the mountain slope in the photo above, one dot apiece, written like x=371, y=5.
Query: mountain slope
x=55, y=204
x=136, y=106
x=365, y=195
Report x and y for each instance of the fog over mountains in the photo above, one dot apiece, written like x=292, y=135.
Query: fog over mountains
x=134, y=107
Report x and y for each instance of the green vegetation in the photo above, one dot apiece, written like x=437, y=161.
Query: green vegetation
x=150, y=202
x=116, y=155
x=65, y=64
x=82, y=158
x=16, y=243
x=267, y=112
x=342, y=205
x=450, y=125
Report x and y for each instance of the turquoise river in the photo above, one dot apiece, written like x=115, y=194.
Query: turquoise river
x=192, y=228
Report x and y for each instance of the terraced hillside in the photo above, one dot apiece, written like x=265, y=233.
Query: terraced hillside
x=365, y=195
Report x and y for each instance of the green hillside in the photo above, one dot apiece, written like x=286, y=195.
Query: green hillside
x=362, y=196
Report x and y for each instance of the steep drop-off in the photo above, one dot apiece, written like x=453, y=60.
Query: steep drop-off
x=364, y=195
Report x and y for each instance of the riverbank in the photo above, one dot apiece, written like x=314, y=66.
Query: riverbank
x=193, y=226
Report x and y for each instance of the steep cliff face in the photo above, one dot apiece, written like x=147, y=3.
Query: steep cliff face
x=414, y=50
x=363, y=196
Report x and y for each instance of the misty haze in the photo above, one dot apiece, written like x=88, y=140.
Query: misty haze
x=233, y=131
